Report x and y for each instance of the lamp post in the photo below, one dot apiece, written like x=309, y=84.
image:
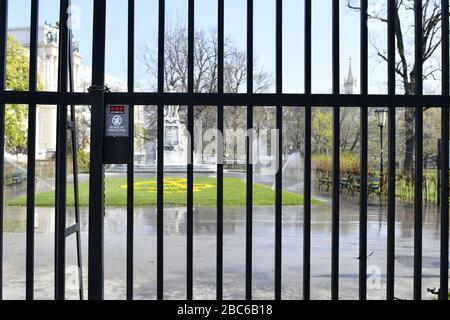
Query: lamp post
x=382, y=115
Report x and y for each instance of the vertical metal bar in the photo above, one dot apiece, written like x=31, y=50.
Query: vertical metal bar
x=418, y=191
x=390, y=287
x=3, y=45
x=443, y=292
x=279, y=175
x=220, y=124
x=336, y=157
x=61, y=156
x=96, y=175
x=190, y=165
x=364, y=157
x=438, y=172
x=31, y=154
x=76, y=188
x=249, y=160
x=308, y=150
x=160, y=156
x=130, y=167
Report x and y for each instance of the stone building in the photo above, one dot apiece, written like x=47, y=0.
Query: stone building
x=48, y=77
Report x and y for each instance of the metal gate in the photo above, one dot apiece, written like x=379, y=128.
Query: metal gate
x=98, y=97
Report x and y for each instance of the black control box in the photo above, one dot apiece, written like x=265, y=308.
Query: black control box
x=117, y=143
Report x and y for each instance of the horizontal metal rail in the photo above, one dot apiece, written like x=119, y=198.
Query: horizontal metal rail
x=227, y=99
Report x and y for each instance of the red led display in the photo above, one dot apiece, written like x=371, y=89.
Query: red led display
x=117, y=109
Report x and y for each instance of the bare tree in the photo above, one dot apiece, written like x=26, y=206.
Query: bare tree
x=350, y=130
x=205, y=75
x=406, y=66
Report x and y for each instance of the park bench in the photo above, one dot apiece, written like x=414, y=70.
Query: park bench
x=18, y=176
x=373, y=184
x=345, y=182
x=351, y=183
x=326, y=181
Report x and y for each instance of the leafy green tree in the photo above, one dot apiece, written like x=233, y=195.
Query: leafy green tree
x=17, y=79
x=17, y=73
x=322, y=134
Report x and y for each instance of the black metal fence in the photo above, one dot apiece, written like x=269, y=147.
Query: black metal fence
x=98, y=97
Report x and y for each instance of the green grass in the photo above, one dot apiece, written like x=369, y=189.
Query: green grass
x=174, y=195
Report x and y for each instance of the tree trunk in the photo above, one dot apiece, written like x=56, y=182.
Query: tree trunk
x=408, y=164
x=409, y=141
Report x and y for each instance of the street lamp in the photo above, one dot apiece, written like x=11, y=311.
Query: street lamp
x=382, y=115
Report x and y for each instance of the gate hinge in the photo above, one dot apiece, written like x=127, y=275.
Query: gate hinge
x=99, y=89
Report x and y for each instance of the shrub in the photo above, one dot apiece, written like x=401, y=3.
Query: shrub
x=323, y=164
x=83, y=161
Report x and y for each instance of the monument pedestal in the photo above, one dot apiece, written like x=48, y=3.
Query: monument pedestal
x=176, y=144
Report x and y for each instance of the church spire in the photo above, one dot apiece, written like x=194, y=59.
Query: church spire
x=349, y=79
x=350, y=82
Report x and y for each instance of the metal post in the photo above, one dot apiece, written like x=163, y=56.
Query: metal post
x=160, y=156
x=220, y=125
x=130, y=165
x=443, y=292
x=418, y=121
x=308, y=151
x=390, y=269
x=364, y=156
x=31, y=163
x=279, y=162
x=190, y=159
x=336, y=157
x=249, y=166
x=96, y=173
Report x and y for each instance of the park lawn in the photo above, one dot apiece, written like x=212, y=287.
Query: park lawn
x=174, y=194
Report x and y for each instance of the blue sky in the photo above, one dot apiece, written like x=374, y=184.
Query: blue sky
x=235, y=27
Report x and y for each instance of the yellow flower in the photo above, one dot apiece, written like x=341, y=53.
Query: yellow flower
x=171, y=185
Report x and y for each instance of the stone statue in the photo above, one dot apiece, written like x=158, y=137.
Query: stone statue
x=172, y=112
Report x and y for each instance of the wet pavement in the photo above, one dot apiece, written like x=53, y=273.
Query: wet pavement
x=234, y=252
